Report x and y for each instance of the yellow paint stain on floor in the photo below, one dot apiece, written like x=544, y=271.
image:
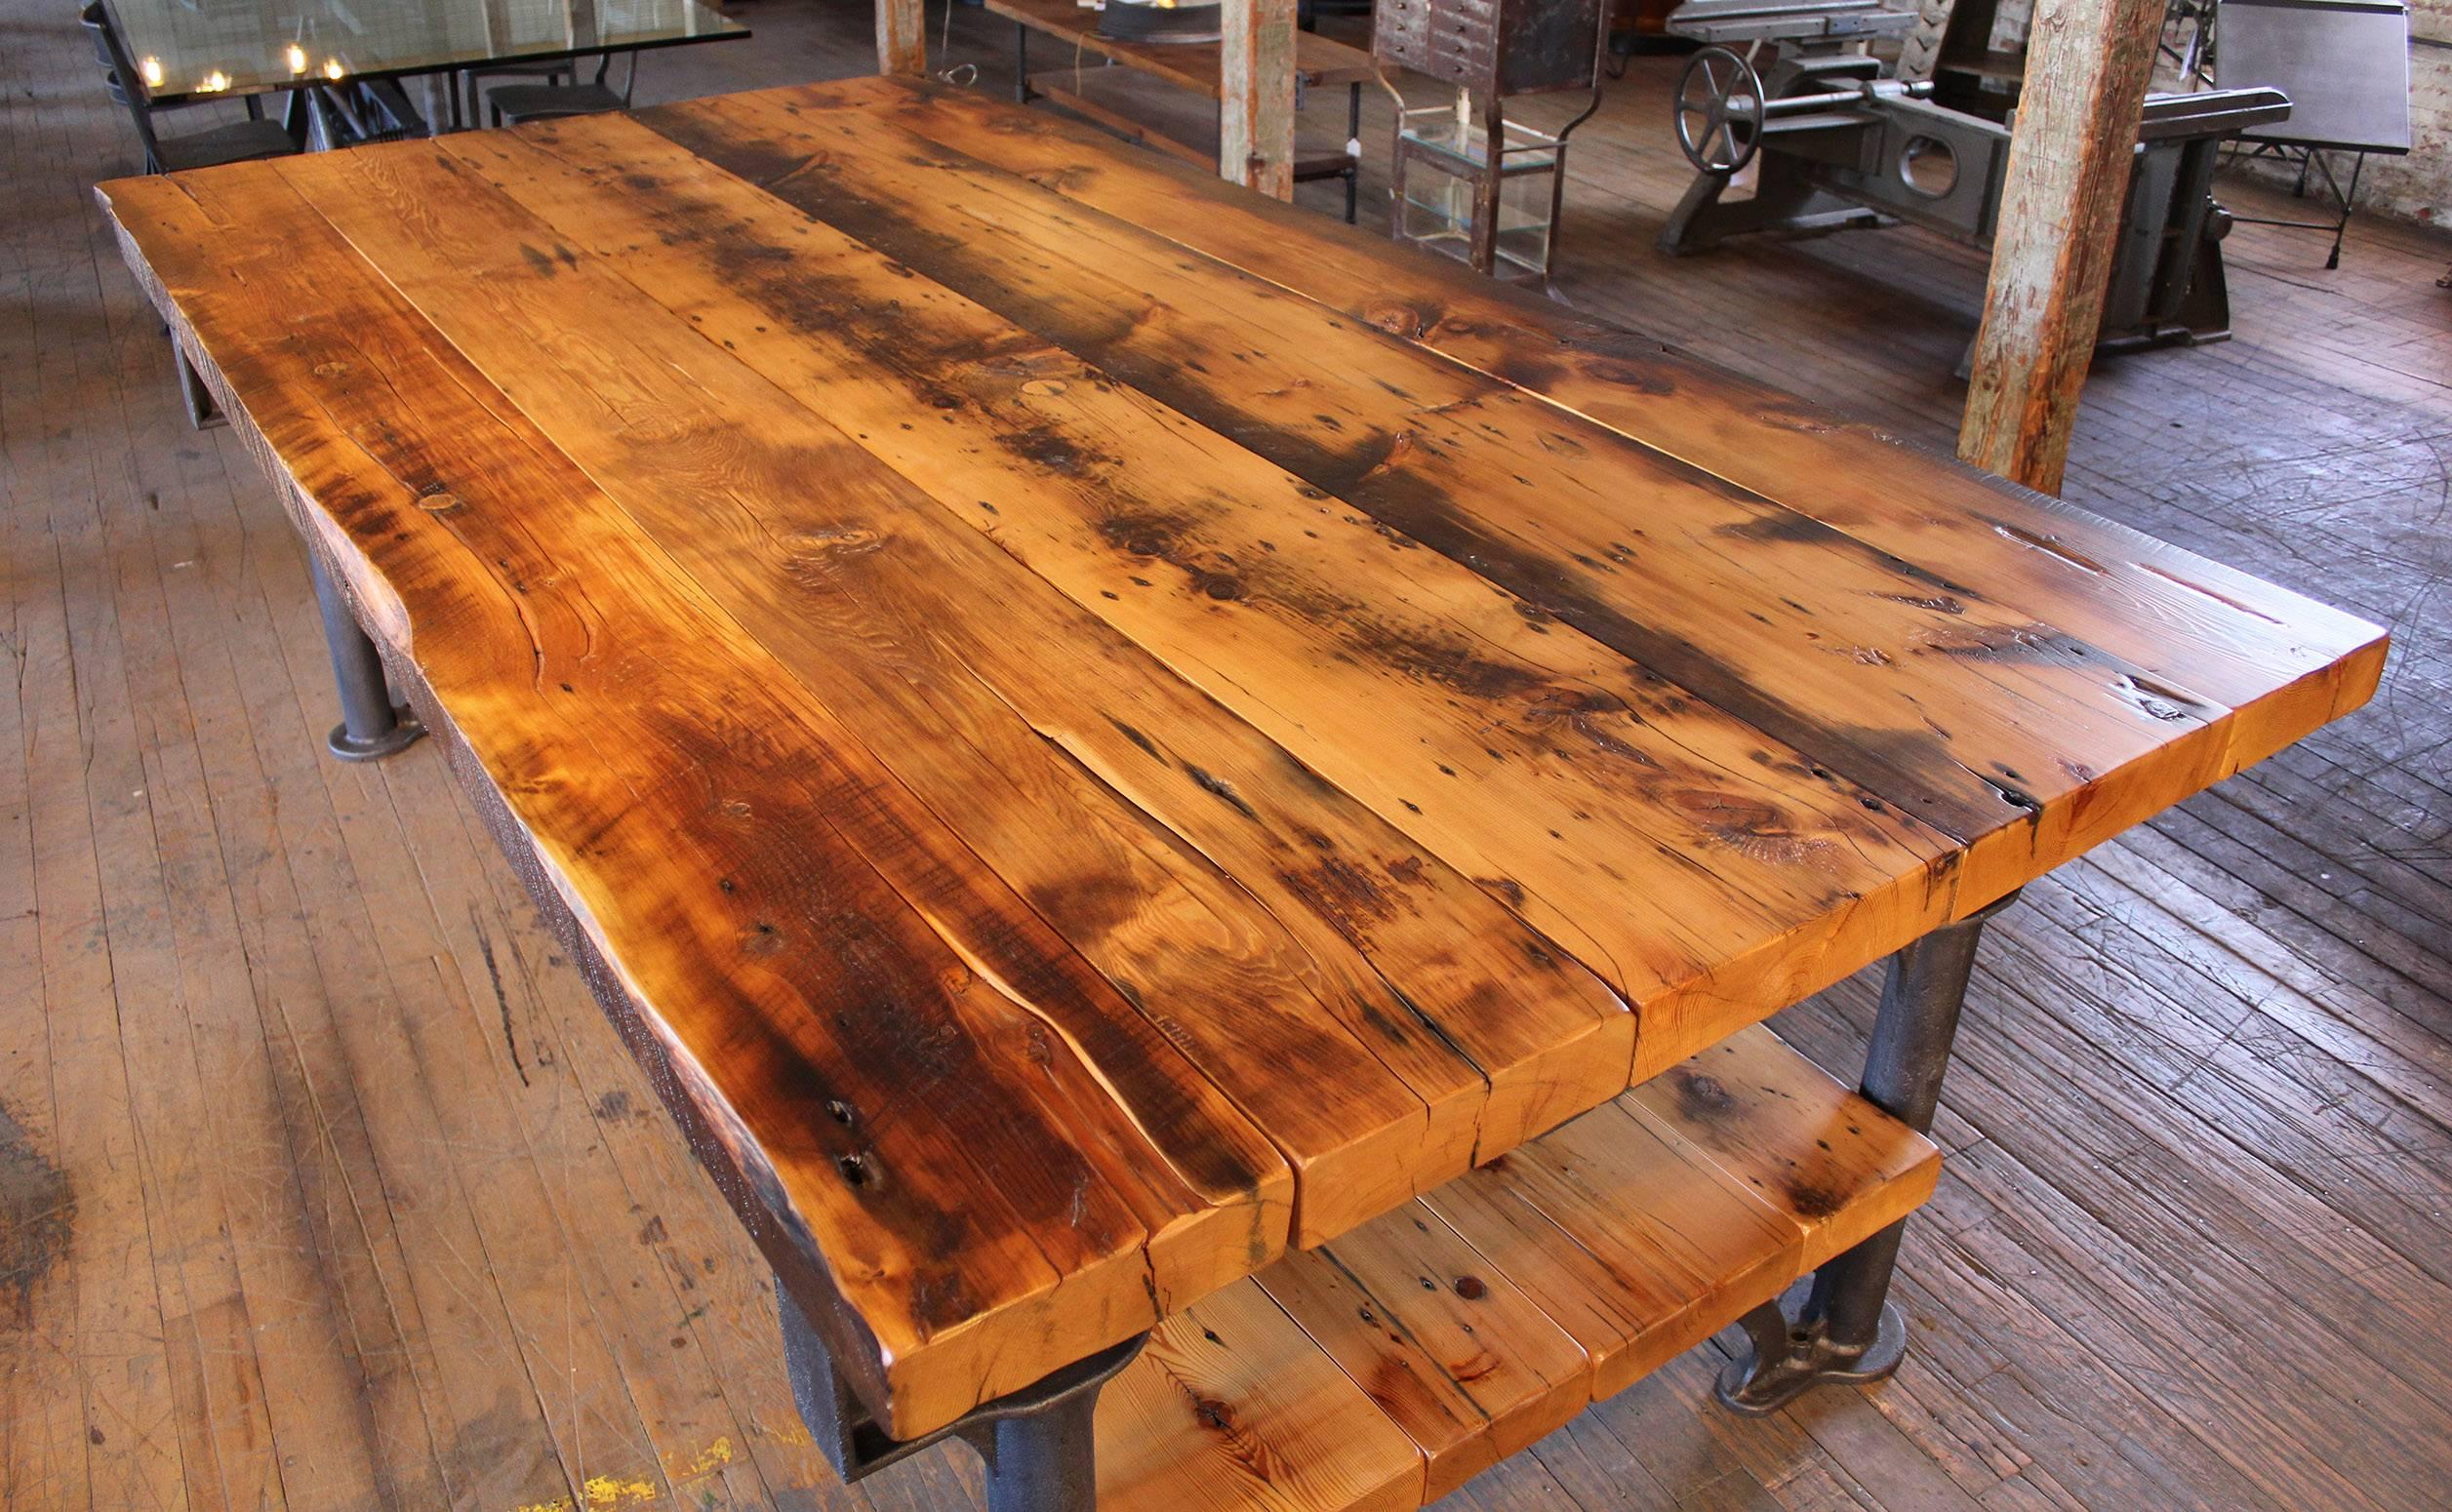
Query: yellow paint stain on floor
x=615, y=1493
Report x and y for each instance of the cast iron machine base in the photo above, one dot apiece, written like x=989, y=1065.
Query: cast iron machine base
x=1841, y=1330
x=1802, y=1354
x=1037, y=1443
x=1843, y=146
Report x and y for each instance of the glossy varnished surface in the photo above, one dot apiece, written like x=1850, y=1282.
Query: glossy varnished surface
x=1082, y=756
x=185, y=53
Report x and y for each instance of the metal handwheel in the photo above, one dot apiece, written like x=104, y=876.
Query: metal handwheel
x=1719, y=111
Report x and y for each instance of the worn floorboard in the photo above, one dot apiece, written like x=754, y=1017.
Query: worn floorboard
x=323, y=1184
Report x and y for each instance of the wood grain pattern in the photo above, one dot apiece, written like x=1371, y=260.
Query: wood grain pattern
x=936, y=1189
x=1473, y=697
x=1232, y=1407
x=1309, y=642
x=1325, y=940
x=1482, y=1317
x=2277, y=659
x=1464, y=1362
x=2017, y=739
x=1074, y=761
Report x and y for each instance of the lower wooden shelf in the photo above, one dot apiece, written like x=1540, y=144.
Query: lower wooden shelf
x=1155, y=112
x=1388, y=1368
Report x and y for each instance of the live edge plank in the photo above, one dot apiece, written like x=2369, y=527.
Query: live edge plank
x=1431, y=1026
x=881, y=1202
x=1471, y=701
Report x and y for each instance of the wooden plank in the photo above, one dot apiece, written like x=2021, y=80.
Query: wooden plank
x=1231, y=1407
x=1256, y=95
x=1163, y=118
x=1455, y=1354
x=1154, y=113
x=2016, y=738
x=44, y=1456
x=881, y=1185
x=2057, y=234
x=1376, y=991
x=1808, y=1148
x=1454, y=671
x=1648, y=1224
x=1493, y=1311
x=2279, y=660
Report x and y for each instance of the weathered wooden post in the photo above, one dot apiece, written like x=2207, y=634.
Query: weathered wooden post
x=1255, y=116
x=902, y=38
x=2088, y=62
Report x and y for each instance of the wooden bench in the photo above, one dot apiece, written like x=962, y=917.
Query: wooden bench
x=1136, y=762
x=1153, y=94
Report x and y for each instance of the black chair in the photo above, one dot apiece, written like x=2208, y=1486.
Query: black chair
x=238, y=142
x=517, y=103
x=471, y=82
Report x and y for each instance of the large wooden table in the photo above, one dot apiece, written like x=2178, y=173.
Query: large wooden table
x=1130, y=757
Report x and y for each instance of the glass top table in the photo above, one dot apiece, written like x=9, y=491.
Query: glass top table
x=193, y=49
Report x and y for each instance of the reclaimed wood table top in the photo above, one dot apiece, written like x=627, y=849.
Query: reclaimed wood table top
x=1092, y=727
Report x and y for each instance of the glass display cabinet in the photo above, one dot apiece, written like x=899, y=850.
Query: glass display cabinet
x=1469, y=181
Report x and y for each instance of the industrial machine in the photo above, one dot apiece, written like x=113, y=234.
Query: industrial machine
x=1843, y=146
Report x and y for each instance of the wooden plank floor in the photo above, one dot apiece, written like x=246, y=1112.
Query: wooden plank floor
x=323, y=1184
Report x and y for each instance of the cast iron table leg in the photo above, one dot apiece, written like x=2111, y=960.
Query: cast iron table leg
x=371, y=726
x=202, y=414
x=1845, y=1329
x=1038, y=1443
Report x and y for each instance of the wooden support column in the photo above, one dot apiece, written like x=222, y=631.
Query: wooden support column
x=2087, y=66
x=902, y=38
x=1256, y=116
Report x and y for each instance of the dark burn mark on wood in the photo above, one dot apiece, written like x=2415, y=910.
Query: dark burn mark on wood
x=1148, y=746
x=1221, y=789
x=502, y=999
x=1051, y=449
x=1702, y=1098
x=1506, y=888
x=1349, y=897
x=1369, y=473
x=538, y=262
x=1774, y=525
x=1812, y=1200
x=37, y=1213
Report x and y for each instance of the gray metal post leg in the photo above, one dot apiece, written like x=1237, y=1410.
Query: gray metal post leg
x=202, y=414
x=1038, y=1443
x=371, y=726
x=1843, y=1329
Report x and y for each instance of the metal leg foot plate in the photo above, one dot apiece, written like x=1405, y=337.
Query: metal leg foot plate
x=1793, y=1352
x=403, y=733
